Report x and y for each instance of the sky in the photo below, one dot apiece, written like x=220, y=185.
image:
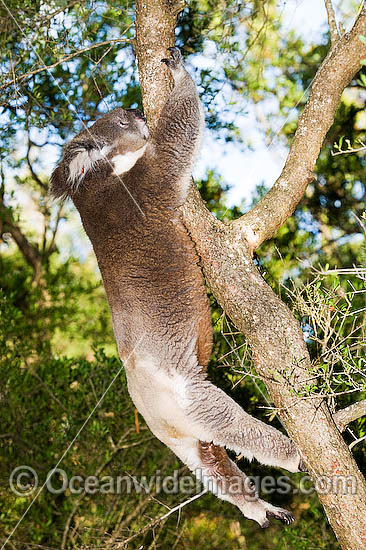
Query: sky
x=243, y=170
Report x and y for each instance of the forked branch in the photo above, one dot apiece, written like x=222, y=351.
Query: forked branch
x=274, y=335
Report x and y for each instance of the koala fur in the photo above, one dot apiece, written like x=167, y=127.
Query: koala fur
x=128, y=188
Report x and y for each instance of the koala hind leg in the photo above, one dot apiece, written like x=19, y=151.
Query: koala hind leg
x=220, y=475
x=218, y=419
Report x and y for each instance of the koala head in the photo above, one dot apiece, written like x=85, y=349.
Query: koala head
x=116, y=141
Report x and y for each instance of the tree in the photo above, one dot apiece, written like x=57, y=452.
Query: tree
x=42, y=295
x=274, y=335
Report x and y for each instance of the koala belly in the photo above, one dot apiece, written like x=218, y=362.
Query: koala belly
x=160, y=397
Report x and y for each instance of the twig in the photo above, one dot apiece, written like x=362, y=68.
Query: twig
x=100, y=59
x=30, y=166
x=120, y=525
x=51, y=246
x=16, y=93
x=333, y=29
x=363, y=227
x=97, y=473
x=356, y=441
x=350, y=150
x=44, y=385
x=62, y=9
x=162, y=518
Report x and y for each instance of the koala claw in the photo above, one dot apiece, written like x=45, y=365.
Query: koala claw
x=176, y=58
x=302, y=466
x=175, y=52
x=281, y=514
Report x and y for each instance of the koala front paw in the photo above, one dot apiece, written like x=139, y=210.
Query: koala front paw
x=175, y=62
x=293, y=462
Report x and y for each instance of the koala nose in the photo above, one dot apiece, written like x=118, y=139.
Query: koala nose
x=138, y=114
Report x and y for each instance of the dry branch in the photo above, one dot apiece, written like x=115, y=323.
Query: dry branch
x=156, y=522
x=117, y=448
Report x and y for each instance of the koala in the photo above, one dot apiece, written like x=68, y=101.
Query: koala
x=128, y=186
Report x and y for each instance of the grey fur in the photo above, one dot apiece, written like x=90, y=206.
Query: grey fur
x=155, y=288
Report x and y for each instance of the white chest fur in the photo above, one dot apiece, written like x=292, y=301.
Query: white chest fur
x=124, y=162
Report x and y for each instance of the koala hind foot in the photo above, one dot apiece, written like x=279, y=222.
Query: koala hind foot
x=278, y=513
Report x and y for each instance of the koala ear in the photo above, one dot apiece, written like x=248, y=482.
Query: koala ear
x=81, y=157
x=59, y=187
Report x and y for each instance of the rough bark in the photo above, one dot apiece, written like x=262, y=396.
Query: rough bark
x=279, y=351
x=282, y=360
x=158, y=20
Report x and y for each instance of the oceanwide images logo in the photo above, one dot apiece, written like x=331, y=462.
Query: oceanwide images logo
x=24, y=481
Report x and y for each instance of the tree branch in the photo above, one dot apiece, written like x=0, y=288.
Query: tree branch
x=154, y=34
x=18, y=79
x=343, y=417
x=31, y=253
x=30, y=166
x=51, y=246
x=334, y=75
x=350, y=150
x=275, y=337
x=333, y=29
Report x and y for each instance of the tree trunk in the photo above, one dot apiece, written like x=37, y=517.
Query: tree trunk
x=278, y=346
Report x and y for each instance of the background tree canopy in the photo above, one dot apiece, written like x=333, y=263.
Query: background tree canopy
x=57, y=352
